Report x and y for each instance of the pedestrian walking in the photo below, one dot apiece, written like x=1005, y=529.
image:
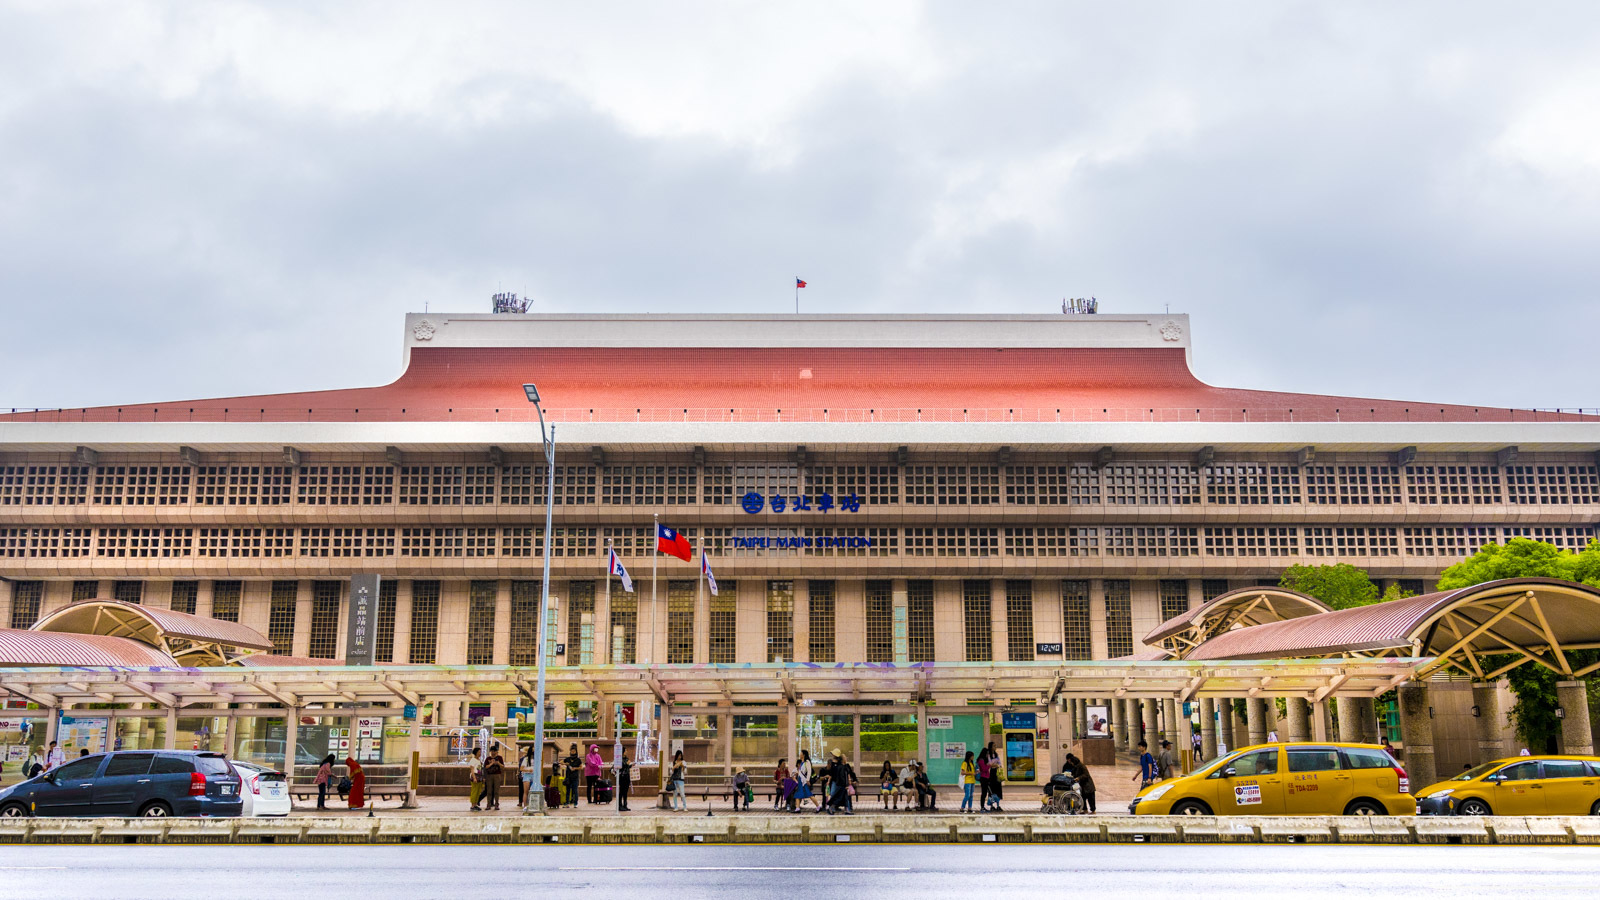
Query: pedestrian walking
x=54, y=756
x=1146, y=775
x=676, y=777
x=981, y=770
x=996, y=770
x=33, y=766
x=969, y=779
x=1166, y=766
x=526, y=775
x=779, y=776
x=324, y=779
x=1195, y=759
x=624, y=780
x=475, y=778
x=494, y=775
x=592, y=764
x=803, y=775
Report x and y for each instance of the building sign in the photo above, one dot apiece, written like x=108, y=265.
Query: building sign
x=1046, y=649
x=754, y=502
x=681, y=723
x=797, y=543
x=940, y=723
x=363, y=618
x=1018, y=721
x=368, y=744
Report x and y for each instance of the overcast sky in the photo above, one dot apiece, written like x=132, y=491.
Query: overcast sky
x=1390, y=200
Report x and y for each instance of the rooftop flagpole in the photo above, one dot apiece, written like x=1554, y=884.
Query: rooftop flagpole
x=655, y=534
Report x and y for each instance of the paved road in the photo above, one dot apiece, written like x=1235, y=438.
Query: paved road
x=791, y=872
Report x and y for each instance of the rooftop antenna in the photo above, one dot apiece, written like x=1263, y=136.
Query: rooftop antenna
x=1080, y=306
x=507, y=303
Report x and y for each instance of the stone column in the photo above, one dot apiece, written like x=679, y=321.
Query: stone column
x=1147, y=710
x=1321, y=727
x=1367, y=708
x=1119, y=722
x=1416, y=734
x=1225, y=734
x=1256, y=713
x=1171, y=729
x=1299, y=720
x=1208, y=728
x=291, y=739
x=171, y=742
x=1349, y=719
x=1577, y=738
x=1486, y=699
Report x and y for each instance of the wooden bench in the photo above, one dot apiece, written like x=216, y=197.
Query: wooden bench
x=388, y=790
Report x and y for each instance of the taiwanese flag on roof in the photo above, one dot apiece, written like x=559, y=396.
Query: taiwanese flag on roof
x=670, y=542
x=798, y=283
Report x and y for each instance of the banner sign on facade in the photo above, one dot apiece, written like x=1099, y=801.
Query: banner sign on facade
x=754, y=502
x=363, y=617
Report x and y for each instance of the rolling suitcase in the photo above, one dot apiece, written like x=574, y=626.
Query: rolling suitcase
x=603, y=792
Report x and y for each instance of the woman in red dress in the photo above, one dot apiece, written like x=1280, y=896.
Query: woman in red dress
x=358, y=783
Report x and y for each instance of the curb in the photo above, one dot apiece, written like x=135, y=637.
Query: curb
x=1548, y=830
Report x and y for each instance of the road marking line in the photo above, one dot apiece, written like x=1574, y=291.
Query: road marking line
x=29, y=868
x=735, y=868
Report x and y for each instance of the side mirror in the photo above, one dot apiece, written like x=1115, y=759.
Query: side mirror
x=1230, y=772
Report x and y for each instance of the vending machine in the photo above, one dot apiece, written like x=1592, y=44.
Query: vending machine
x=1021, y=733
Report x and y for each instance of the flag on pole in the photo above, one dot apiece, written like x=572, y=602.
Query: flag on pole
x=705, y=569
x=615, y=568
x=799, y=284
x=670, y=542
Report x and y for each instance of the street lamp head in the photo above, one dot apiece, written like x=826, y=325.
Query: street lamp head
x=532, y=391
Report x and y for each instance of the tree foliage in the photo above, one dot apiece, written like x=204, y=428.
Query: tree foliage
x=1341, y=586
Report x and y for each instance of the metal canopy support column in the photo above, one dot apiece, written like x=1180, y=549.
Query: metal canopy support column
x=1320, y=729
x=791, y=742
x=291, y=740
x=1416, y=733
x=414, y=757
x=1185, y=742
x=170, y=742
x=1572, y=699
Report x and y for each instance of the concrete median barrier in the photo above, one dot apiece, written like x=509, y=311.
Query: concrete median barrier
x=1450, y=830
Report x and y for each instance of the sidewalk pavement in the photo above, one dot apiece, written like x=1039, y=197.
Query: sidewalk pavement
x=1114, y=787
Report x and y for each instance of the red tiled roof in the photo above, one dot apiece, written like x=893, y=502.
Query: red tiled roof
x=851, y=384
x=42, y=648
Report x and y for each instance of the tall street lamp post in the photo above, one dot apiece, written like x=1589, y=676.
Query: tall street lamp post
x=536, y=787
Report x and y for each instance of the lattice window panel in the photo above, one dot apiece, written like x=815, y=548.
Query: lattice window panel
x=478, y=485
x=525, y=598
x=1252, y=484
x=1151, y=485
x=426, y=542
x=1568, y=538
x=1119, y=618
x=522, y=541
x=45, y=543
x=1084, y=484
x=44, y=485
x=1174, y=598
x=225, y=600
x=346, y=485
x=280, y=616
x=880, y=621
x=1553, y=485
x=631, y=540
x=128, y=591
x=1452, y=485
x=580, y=603
x=85, y=590
x=1077, y=637
x=26, y=599
x=977, y=615
x=1449, y=541
x=876, y=485
x=424, y=645
x=1357, y=541
x=361, y=542
x=716, y=485
x=1068, y=541
x=570, y=542
x=383, y=628
x=1151, y=540
x=680, y=622
x=1212, y=588
x=722, y=634
x=480, y=623
x=771, y=549
x=1050, y=485
x=780, y=621
x=1019, y=620
x=1367, y=485
x=834, y=542
x=518, y=489
x=316, y=541
x=141, y=485
x=323, y=641
x=575, y=485
x=766, y=480
x=820, y=612
x=1252, y=540
x=1022, y=485
x=431, y=485
x=919, y=621
x=243, y=485
x=983, y=485
x=624, y=615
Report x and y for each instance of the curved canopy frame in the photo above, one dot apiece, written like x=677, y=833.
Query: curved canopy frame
x=191, y=640
x=1542, y=621
x=1235, y=609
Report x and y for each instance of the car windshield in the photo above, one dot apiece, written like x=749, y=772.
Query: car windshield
x=1477, y=771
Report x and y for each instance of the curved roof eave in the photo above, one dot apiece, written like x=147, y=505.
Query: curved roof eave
x=1177, y=624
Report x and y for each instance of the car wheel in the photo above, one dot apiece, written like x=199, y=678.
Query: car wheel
x=1190, y=808
x=1472, y=806
x=1595, y=809
x=156, y=810
x=1365, y=807
x=13, y=811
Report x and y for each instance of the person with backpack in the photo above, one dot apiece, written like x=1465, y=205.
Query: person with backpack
x=1146, y=775
x=324, y=781
x=33, y=766
x=1166, y=766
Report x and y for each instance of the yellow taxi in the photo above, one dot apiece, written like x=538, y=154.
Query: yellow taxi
x=1286, y=779
x=1519, y=786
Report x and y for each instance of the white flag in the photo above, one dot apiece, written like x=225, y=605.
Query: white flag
x=705, y=569
x=615, y=568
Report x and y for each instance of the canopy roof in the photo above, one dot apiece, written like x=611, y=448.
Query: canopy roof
x=190, y=639
x=1537, y=620
x=1234, y=609
x=33, y=648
